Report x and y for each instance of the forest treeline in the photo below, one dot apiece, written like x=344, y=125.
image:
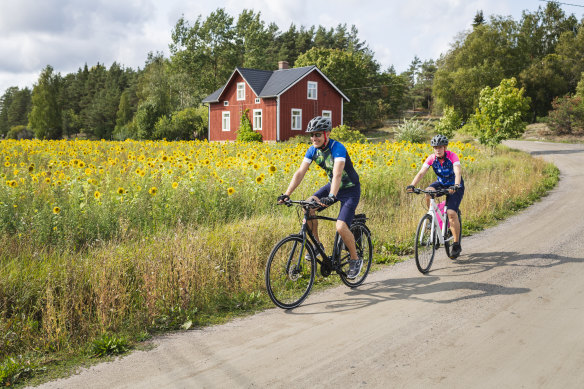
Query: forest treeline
x=543, y=51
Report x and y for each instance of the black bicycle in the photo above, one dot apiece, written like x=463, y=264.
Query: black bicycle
x=291, y=267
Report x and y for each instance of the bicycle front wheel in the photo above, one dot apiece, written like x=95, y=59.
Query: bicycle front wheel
x=364, y=250
x=425, y=245
x=290, y=272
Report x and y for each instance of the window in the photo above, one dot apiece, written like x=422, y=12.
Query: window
x=225, y=103
x=296, y=119
x=257, y=100
x=327, y=114
x=226, y=122
x=257, y=119
x=241, y=91
x=312, y=90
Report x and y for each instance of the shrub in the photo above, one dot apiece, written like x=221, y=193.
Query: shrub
x=245, y=132
x=412, y=130
x=19, y=132
x=567, y=115
x=450, y=122
x=501, y=113
x=343, y=133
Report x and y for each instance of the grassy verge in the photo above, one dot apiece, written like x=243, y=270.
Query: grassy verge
x=62, y=307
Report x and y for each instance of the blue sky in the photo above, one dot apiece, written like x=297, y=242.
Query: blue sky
x=66, y=34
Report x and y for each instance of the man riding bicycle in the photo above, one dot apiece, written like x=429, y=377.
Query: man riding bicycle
x=448, y=170
x=343, y=186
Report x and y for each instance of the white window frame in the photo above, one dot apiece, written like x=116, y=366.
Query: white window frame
x=312, y=86
x=296, y=112
x=257, y=100
x=240, y=91
x=225, y=115
x=225, y=103
x=257, y=114
x=327, y=114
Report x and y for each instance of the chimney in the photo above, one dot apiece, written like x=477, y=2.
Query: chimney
x=283, y=65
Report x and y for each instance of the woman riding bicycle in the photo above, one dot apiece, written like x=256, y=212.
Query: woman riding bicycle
x=448, y=170
x=344, y=184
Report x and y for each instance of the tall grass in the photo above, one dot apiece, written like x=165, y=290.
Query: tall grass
x=135, y=261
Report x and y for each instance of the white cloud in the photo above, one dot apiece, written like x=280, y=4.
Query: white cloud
x=69, y=33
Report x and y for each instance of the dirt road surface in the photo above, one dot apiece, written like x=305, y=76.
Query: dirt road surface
x=508, y=314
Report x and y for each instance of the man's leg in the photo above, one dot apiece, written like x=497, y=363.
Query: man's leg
x=348, y=238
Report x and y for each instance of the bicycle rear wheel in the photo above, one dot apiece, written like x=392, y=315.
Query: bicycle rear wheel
x=289, y=275
x=425, y=244
x=448, y=241
x=364, y=250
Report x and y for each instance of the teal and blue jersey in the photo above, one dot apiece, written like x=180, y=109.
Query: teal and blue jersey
x=334, y=151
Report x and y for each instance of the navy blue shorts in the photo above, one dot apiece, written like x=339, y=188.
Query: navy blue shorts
x=453, y=200
x=349, y=199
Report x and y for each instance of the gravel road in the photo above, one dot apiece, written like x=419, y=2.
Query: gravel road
x=508, y=314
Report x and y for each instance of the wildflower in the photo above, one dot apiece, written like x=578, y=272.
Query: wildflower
x=272, y=169
x=414, y=165
x=56, y=210
x=259, y=179
x=230, y=191
x=121, y=191
x=97, y=195
x=174, y=185
x=153, y=191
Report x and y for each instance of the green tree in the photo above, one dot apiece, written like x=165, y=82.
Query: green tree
x=479, y=19
x=501, y=113
x=45, y=116
x=352, y=73
x=543, y=81
x=206, y=51
x=15, y=106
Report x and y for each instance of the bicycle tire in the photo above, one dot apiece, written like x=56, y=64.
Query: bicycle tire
x=448, y=234
x=288, y=284
x=425, y=245
x=364, y=248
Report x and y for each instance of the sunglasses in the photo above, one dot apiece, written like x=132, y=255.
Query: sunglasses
x=316, y=135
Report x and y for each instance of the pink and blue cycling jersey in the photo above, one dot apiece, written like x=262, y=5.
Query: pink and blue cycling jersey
x=444, y=169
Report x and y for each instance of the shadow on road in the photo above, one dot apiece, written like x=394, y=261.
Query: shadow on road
x=482, y=262
x=424, y=288
x=433, y=289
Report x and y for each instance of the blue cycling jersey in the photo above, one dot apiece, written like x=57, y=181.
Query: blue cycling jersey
x=326, y=158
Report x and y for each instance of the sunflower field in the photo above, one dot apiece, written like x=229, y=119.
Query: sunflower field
x=78, y=192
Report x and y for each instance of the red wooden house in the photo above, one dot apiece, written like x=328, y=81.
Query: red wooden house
x=280, y=102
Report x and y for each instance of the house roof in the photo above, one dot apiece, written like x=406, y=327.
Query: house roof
x=267, y=83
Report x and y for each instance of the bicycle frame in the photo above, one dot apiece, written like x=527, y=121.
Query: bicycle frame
x=435, y=212
x=305, y=231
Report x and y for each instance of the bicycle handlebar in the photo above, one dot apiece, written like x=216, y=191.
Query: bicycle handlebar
x=433, y=193
x=301, y=203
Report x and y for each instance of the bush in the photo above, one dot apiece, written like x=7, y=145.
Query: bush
x=412, y=130
x=245, y=132
x=19, y=132
x=343, y=133
x=450, y=122
x=567, y=115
